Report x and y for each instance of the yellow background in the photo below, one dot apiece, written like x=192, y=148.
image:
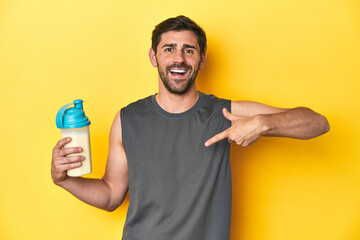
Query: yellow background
x=283, y=53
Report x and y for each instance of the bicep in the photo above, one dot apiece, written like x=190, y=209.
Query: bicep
x=116, y=173
x=249, y=108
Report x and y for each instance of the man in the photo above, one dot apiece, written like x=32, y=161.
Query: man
x=171, y=150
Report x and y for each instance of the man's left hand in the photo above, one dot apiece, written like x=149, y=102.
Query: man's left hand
x=244, y=130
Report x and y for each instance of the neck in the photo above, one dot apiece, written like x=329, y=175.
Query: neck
x=174, y=103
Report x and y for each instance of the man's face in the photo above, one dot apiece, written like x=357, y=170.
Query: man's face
x=178, y=60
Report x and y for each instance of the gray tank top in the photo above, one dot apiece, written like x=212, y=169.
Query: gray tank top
x=178, y=188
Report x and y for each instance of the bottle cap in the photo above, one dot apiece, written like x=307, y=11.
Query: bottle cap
x=73, y=117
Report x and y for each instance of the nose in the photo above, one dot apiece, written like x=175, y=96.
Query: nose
x=179, y=57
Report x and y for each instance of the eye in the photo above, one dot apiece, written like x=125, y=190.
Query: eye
x=168, y=50
x=189, y=51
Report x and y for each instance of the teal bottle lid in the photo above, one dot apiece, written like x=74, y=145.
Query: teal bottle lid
x=73, y=117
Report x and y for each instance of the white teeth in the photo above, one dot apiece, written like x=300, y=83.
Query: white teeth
x=177, y=71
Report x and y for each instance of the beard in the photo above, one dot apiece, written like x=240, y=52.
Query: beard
x=174, y=86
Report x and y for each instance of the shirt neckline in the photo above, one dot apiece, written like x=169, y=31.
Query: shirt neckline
x=164, y=113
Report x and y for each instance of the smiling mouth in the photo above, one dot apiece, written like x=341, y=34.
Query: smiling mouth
x=180, y=72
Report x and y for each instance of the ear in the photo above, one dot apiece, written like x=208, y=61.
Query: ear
x=152, y=57
x=202, y=61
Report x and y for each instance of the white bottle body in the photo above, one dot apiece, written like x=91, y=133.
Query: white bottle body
x=80, y=138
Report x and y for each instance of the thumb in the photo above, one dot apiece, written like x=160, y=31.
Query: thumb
x=229, y=116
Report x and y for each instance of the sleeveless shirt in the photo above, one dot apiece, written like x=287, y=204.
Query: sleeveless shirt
x=178, y=188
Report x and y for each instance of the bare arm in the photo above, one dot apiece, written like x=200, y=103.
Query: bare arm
x=107, y=193
x=251, y=120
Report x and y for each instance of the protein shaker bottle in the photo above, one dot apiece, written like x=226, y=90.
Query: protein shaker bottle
x=73, y=123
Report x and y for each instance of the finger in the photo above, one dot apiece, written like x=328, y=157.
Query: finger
x=62, y=165
x=229, y=116
x=60, y=144
x=65, y=167
x=71, y=159
x=66, y=151
x=216, y=138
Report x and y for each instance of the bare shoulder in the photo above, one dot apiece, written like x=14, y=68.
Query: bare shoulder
x=250, y=108
x=115, y=131
x=116, y=162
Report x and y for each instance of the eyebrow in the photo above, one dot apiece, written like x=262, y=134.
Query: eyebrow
x=169, y=45
x=189, y=46
x=174, y=45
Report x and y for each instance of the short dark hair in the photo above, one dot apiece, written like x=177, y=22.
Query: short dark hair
x=179, y=23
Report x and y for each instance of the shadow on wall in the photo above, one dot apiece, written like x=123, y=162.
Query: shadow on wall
x=205, y=80
x=213, y=78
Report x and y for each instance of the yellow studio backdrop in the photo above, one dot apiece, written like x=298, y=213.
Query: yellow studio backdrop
x=283, y=53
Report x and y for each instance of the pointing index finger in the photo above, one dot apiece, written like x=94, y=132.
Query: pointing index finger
x=218, y=137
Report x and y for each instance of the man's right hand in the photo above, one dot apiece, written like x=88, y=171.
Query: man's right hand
x=61, y=162
x=106, y=193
